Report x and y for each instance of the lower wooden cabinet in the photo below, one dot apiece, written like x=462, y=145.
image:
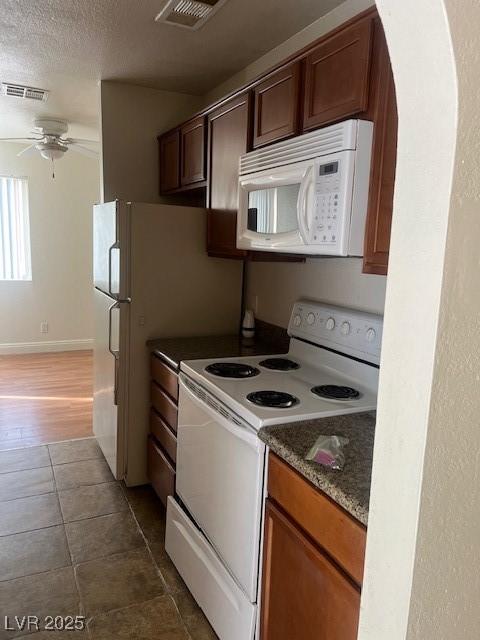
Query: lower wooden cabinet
x=162, y=441
x=313, y=557
x=164, y=405
x=163, y=435
x=160, y=471
x=304, y=595
x=164, y=376
x=342, y=537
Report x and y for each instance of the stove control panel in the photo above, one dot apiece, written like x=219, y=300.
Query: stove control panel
x=354, y=333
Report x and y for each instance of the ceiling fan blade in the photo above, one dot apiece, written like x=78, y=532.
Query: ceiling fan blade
x=20, y=139
x=79, y=141
x=28, y=150
x=83, y=150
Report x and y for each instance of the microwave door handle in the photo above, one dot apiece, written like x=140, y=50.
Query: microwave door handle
x=302, y=206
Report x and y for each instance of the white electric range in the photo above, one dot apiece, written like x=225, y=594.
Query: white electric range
x=214, y=525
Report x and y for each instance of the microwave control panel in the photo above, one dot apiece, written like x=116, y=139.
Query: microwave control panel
x=332, y=186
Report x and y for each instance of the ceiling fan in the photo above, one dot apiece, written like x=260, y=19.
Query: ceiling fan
x=50, y=140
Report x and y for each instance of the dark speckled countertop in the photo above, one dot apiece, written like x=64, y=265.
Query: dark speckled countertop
x=174, y=350
x=350, y=488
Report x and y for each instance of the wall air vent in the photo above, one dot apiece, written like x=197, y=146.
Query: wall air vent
x=189, y=14
x=20, y=91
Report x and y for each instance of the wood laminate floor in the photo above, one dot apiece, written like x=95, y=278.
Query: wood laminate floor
x=45, y=397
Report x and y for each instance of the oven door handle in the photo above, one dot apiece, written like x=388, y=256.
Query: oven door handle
x=243, y=432
x=302, y=214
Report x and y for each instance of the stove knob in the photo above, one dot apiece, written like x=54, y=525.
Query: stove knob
x=345, y=328
x=370, y=335
x=330, y=324
x=297, y=320
x=310, y=318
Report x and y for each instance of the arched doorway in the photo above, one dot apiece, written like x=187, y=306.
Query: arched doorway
x=421, y=580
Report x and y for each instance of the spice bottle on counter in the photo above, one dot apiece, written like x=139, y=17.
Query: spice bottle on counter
x=248, y=324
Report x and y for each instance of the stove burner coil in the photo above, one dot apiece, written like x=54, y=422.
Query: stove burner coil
x=232, y=370
x=336, y=392
x=274, y=399
x=279, y=364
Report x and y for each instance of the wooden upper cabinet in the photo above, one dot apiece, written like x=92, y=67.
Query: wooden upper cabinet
x=337, y=76
x=345, y=74
x=193, y=152
x=277, y=106
x=304, y=596
x=383, y=112
x=228, y=139
x=169, y=150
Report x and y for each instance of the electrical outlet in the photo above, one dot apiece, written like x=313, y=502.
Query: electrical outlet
x=44, y=326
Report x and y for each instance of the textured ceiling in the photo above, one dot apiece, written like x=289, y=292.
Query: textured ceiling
x=67, y=46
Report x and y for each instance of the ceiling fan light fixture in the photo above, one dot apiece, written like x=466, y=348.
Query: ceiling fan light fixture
x=51, y=150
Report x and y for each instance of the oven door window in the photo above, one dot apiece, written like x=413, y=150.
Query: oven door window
x=273, y=210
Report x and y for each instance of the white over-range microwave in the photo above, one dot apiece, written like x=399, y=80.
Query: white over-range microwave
x=309, y=194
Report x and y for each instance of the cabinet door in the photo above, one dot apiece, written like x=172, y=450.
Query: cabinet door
x=277, y=106
x=304, y=595
x=169, y=149
x=384, y=157
x=337, y=76
x=193, y=152
x=228, y=139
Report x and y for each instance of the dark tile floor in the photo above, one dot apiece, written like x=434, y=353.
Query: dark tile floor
x=75, y=542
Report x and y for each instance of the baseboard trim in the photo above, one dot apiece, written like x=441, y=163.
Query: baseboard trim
x=46, y=347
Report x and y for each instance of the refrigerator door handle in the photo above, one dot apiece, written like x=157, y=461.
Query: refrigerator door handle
x=115, y=383
x=115, y=245
x=115, y=305
x=115, y=353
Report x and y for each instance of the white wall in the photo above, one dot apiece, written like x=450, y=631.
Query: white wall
x=131, y=118
x=61, y=241
x=422, y=580
x=273, y=287
x=424, y=73
x=446, y=583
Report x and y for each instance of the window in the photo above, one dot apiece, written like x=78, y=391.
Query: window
x=15, y=260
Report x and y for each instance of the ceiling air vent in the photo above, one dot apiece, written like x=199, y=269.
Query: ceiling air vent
x=20, y=91
x=189, y=14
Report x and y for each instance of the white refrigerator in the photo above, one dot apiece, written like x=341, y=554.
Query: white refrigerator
x=152, y=278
